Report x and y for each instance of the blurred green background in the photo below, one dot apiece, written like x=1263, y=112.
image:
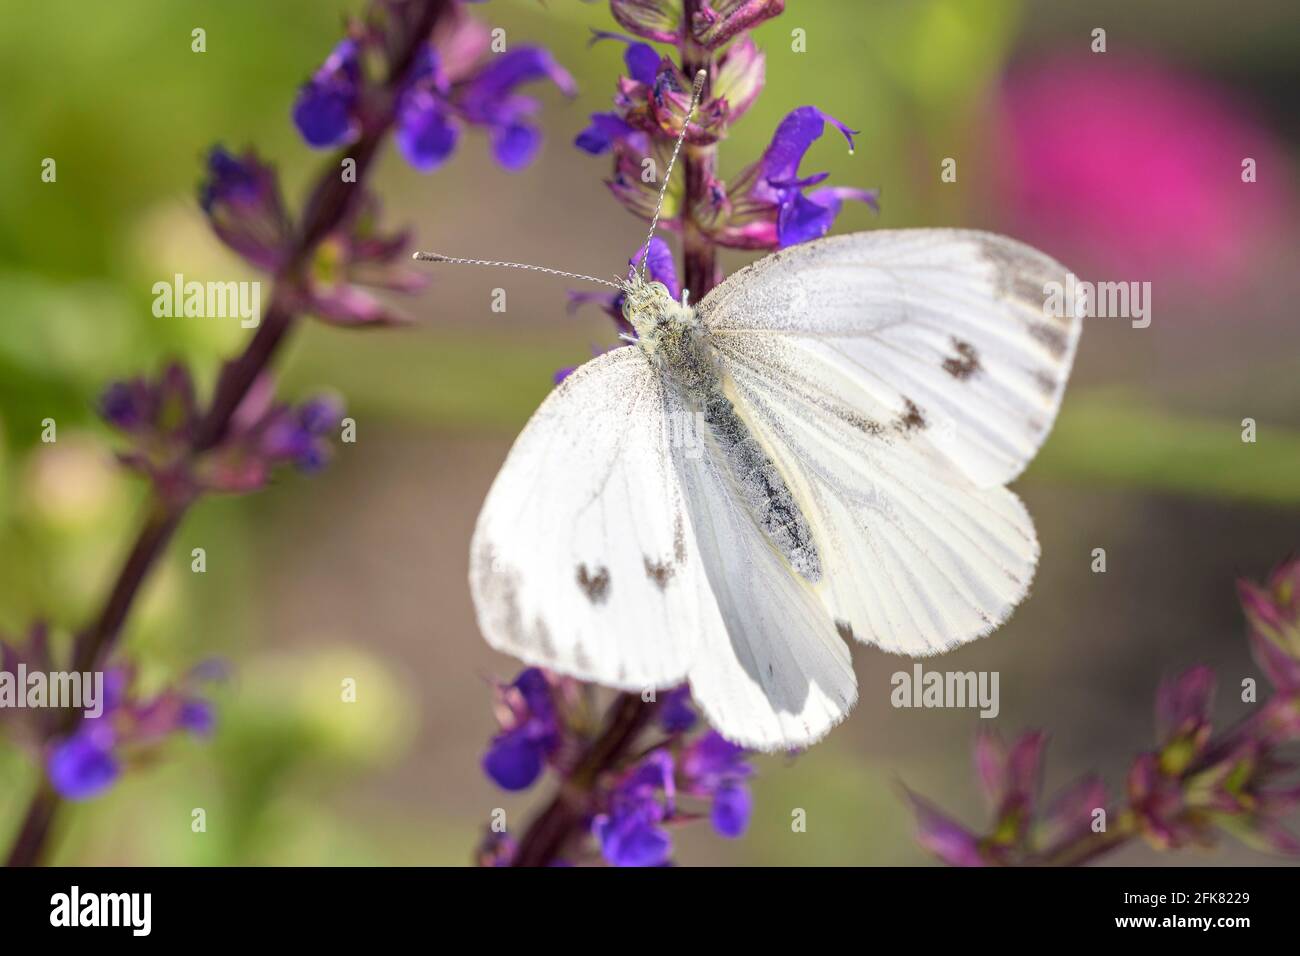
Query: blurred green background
x=361, y=571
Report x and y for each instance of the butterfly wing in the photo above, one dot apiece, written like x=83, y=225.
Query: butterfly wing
x=897, y=379
x=949, y=323
x=613, y=548
x=583, y=558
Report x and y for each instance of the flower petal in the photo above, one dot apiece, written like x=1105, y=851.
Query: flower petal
x=81, y=768
x=426, y=136
x=800, y=128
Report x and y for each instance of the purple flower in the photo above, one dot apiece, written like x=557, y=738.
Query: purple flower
x=433, y=107
x=605, y=130
x=442, y=92
x=654, y=97
x=530, y=731
x=90, y=760
x=1011, y=778
x=242, y=201
x=82, y=767
x=715, y=769
x=766, y=206
x=326, y=109
x=161, y=418
x=632, y=828
x=299, y=435
x=630, y=833
x=354, y=259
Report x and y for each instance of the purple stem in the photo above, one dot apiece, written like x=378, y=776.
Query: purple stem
x=699, y=255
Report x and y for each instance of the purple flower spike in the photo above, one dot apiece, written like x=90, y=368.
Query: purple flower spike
x=82, y=767
x=326, y=109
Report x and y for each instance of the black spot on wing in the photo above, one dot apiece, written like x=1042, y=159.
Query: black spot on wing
x=660, y=572
x=845, y=629
x=912, y=419
x=965, y=363
x=594, y=584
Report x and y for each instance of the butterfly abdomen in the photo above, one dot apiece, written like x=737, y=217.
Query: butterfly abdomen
x=761, y=487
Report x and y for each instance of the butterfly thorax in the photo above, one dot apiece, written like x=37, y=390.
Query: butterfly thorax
x=672, y=337
x=675, y=341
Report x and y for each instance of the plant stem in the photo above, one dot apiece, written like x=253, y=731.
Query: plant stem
x=566, y=815
x=699, y=255
x=330, y=204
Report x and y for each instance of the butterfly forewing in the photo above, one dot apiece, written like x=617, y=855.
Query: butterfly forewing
x=945, y=329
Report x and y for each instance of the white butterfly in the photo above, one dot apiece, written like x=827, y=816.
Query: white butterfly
x=815, y=453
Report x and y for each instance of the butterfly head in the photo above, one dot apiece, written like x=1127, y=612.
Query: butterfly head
x=650, y=308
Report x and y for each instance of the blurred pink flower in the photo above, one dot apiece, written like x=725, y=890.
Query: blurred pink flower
x=1134, y=170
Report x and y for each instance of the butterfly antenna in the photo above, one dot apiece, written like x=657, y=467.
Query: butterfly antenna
x=696, y=90
x=436, y=257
